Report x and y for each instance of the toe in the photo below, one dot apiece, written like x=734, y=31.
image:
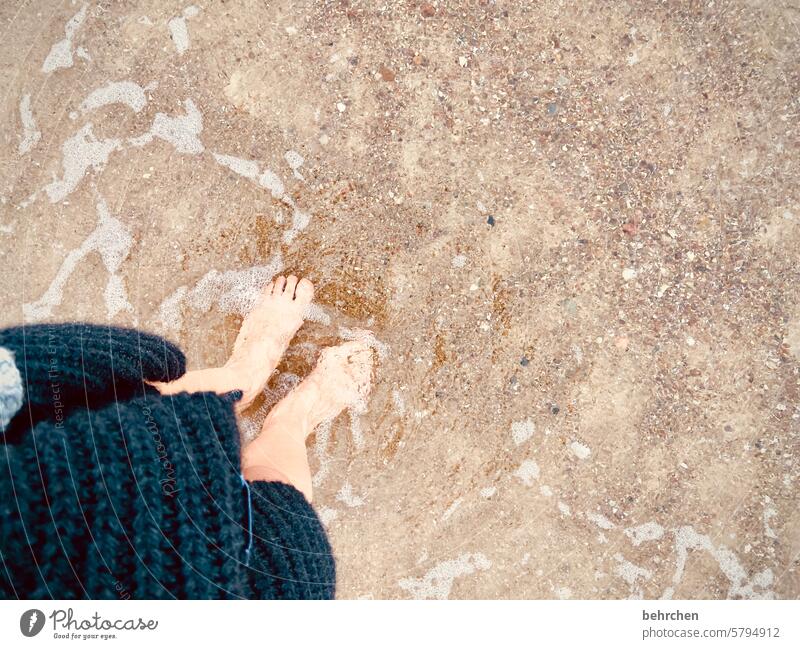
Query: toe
x=278, y=285
x=291, y=284
x=268, y=290
x=352, y=347
x=304, y=291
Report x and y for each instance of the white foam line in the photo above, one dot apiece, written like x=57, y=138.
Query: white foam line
x=232, y=291
x=327, y=515
x=116, y=92
x=522, y=431
x=113, y=242
x=399, y=402
x=323, y=436
x=631, y=573
x=315, y=313
x=60, y=55
x=581, y=451
x=368, y=338
x=269, y=180
x=356, y=431
x=179, y=33
x=601, y=521
x=295, y=161
x=181, y=132
x=452, y=509
x=246, y=168
x=686, y=538
x=79, y=153
x=178, y=30
x=251, y=169
x=30, y=134
x=170, y=316
x=300, y=221
x=83, y=150
x=348, y=497
x=438, y=581
x=769, y=513
x=651, y=531
x=528, y=472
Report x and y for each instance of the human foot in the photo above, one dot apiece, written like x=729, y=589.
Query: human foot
x=341, y=378
x=266, y=331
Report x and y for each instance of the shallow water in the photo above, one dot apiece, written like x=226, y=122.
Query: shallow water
x=572, y=231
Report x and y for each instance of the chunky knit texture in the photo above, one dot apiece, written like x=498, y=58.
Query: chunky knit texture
x=78, y=365
x=139, y=495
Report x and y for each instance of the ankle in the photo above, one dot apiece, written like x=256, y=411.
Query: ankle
x=288, y=417
x=247, y=377
x=264, y=473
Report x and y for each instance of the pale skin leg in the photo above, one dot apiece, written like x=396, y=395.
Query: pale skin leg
x=341, y=377
x=262, y=340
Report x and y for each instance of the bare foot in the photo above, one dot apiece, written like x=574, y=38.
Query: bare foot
x=266, y=332
x=341, y=378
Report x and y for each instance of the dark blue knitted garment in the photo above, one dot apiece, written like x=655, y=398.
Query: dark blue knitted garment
x=109, y=490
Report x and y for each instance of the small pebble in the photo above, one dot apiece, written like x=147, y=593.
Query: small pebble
x=552, y=109
x=387, y=74
x=524, y=362
x=628, y=274
x=554, y=409
x=490, y=221
x=427, y=10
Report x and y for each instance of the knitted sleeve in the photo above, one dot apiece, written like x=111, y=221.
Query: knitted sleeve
x=291, y=557
x=108, y=489
x=77, y=365
x=139, y=499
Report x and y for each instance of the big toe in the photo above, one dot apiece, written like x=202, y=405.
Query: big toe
x=304, y=291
